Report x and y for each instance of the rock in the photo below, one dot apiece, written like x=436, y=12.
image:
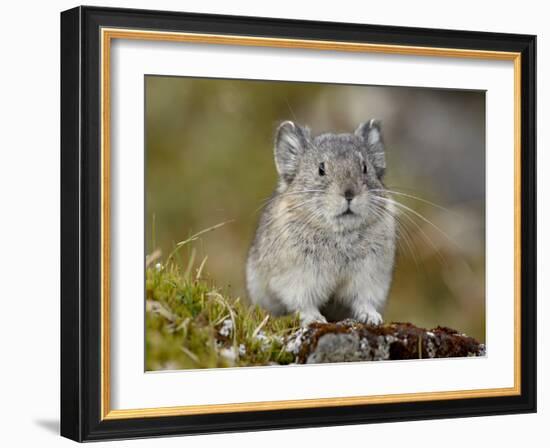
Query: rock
x=349, y=340
x=337, y=347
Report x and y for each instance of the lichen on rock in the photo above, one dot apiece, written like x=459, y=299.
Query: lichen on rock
x=349, y=341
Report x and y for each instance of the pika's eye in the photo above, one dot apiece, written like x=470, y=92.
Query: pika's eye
x=322, y=169
x=364, y=168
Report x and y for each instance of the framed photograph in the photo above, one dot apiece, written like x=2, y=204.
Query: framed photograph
x=276, y=224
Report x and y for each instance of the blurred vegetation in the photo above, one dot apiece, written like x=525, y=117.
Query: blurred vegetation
x=209, y=160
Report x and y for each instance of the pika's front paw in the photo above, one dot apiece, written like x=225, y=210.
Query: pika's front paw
x=309, y=318
x=371, y=317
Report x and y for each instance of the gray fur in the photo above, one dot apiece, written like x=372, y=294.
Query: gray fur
x=310, y=254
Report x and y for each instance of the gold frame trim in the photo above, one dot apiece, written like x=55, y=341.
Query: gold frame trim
x=107, y=35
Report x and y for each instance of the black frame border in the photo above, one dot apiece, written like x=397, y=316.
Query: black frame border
x=81, y=223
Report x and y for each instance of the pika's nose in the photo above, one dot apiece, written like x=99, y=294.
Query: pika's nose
x=348, y=194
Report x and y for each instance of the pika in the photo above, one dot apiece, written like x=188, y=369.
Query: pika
x=325, y=242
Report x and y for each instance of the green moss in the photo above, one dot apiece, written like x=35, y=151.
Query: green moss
x=192, y=324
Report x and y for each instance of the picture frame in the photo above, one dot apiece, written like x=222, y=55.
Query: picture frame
x=87, y=34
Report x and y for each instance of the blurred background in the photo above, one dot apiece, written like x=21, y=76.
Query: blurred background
x=209, y=159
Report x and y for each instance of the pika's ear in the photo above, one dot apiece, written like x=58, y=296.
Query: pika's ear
x=371, y=133
x=291, y=141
